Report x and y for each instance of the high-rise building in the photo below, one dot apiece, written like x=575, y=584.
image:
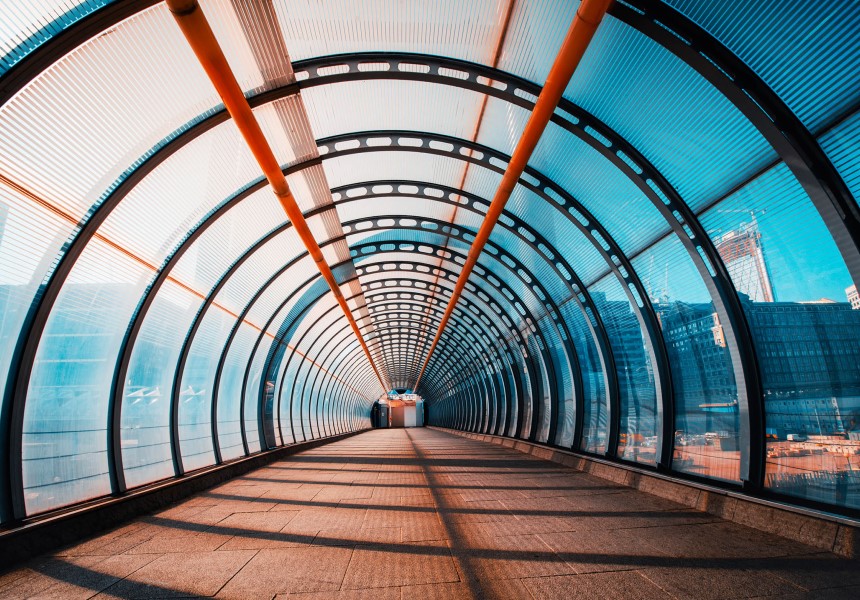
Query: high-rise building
x=853, y=297
x=741, y=251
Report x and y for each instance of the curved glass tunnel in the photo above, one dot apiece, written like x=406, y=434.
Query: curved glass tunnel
x=673, y=283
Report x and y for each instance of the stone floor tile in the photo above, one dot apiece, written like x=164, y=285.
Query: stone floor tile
x=387, y=565
x=360, y=535
x=508, y=557
x=287, y=570
x=255, y=531
x=391, y=593
x=597, y=551
x=719, y=540
x=811, y=571
x=727, y=580
x=40, y=574
x=181, y=574
x=85, y=582
x=628, y=585
x=424, y=514
x=193, y=542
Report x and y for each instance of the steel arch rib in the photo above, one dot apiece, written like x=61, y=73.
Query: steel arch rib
x=565, y=337
x=816, y=165
x=104, y=208
x=529, y=365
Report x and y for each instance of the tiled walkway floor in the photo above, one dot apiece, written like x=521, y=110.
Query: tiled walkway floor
x=420, y=513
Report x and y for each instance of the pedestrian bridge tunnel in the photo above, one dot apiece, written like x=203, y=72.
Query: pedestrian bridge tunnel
x=669, y=282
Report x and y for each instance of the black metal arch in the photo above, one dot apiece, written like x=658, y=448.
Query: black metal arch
x=534, y=379
x=298, y=318
x=455, y=358
x=336, y=368
x=393, y=314
x=280, y=394
x=654, y=186
x=526, y=234
x=517, y=381
x=449, y=291
x=475, y=327
x=655, y=20
x=101, y=212
x=279, y=341
x=323, y=377
x=576, y=214
x=455, y=350
x=421, y=301
x=532, y=284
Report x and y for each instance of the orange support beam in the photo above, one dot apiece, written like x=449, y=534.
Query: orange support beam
x=579, y=36
x=199, y=34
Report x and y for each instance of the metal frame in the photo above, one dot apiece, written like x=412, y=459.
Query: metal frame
x=561, y=332
x=472, y=307
x=501, y=289
x=502, y=356
x=529, y=365
x=533, y=239
x=797, y=147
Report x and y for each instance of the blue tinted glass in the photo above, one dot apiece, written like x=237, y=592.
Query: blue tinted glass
x=67, y=402
x=797, y=296
x=638, y=399
x=706, y=397
x=145, y=413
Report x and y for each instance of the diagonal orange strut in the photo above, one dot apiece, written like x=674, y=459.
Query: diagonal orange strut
x=198, y=33
x=579, y=36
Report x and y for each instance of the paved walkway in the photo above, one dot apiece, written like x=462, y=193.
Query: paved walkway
x=418, y=513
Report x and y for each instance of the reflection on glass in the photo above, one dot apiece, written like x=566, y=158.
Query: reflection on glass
x=802, y=311
x=637, y=440
x=706, y=400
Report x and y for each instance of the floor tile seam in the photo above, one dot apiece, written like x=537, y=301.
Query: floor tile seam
x=348, y=563
x=642, y=574
x=239, y=570
x=54, y=582
x=119, y=580
x=792, y=583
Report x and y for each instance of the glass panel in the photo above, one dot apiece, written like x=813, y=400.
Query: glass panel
x=796, y=292
x=595, y=432
x=252, y=393
x=528, y=398
x=390, y=164
x=195, y=391
x=99, y=129
x=638, y=397
x=145, y=414
x=807, y=55
x=28, y=25
x=542, y=411
x=65, y=417
x=842, y=145
x=397, y=105
x=564, y=384
x=28, y=233
x=230, y=390
x=706, y=396
x=463, y=30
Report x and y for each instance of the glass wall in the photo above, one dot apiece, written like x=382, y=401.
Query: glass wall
x=128, y=199
x=796, y=293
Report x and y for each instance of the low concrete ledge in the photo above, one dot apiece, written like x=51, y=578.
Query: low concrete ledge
x=43, y=533
x=825, y=531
